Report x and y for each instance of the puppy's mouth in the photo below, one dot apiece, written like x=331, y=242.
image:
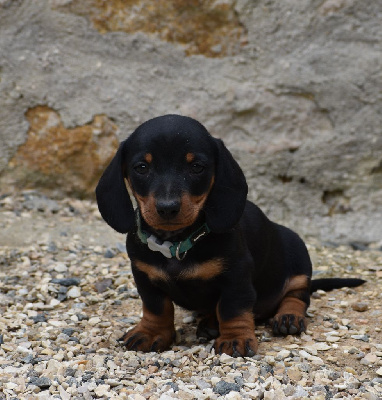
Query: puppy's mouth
x=170, y=234
x=169, y=226
x=178, y=231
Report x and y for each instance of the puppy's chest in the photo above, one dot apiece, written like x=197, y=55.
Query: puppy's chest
x=173, y=270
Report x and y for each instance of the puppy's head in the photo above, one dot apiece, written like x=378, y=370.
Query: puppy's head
x=176, y=171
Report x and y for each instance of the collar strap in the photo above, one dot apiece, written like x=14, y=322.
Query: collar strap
x=170, y=249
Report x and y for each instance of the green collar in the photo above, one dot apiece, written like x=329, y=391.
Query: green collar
x=169, y=249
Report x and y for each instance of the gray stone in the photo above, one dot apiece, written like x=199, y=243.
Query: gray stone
x=109, y=253
x=42, y=383
x=66, y=281
x=202, y=384
x=223, y=387
x=39, y=318
x=103, y=284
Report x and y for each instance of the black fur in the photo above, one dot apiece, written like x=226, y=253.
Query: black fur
x=262, y=264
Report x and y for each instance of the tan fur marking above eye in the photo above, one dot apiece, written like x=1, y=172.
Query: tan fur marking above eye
x=297, y=282
x=149, y=158
x=206, y=270
x=151, y=271
x=190, y=157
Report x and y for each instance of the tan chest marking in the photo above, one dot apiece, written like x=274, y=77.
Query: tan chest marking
x=205, y=271
x=152, y=272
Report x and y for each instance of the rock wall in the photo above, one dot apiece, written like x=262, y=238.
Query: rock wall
x=55, y=157
x=294, y=88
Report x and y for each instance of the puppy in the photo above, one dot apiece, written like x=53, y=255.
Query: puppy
x=196, y=241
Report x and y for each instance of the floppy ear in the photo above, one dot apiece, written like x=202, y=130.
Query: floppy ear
x=226, y=201
x=113, y=198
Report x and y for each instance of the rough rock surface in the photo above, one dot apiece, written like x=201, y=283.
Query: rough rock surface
x=294, y=88
x=53, y=156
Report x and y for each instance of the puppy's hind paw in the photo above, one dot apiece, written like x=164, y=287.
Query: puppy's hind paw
x=288, y=324
x=208, y=328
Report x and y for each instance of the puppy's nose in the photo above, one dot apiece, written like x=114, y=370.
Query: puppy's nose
x=168, y=208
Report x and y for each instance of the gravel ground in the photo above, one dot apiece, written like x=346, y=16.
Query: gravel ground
x=67, y=294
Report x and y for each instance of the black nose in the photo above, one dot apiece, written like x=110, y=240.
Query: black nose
x=168, y=208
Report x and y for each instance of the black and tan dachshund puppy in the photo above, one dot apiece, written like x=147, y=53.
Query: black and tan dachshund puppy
x=196, y=241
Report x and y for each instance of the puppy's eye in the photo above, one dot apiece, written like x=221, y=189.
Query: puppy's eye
x=197, y=168
x=141, y=168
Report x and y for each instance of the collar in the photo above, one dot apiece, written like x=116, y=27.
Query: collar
x=167, y=248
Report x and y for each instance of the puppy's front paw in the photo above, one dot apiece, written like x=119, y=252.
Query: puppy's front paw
x=236, y=347
x=288, y=324
x=141, y=339
x=237, y=335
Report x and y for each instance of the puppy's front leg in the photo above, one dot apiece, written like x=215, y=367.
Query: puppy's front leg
x=155, y=331
x=236, y=326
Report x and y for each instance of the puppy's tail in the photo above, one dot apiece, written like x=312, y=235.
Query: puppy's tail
x=328, y=284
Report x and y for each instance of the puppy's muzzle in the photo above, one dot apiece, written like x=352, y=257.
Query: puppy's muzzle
x=168, y=209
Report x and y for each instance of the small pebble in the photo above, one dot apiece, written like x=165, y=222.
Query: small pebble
x=226, y=359
x=42, y=383
x=223, y=387
x=102, y=390
x=202, y=384
x=351, y=370
x=109, y=253
x=364, y=338
x=333, y=339
x=294, y=374
x=360, y=306
x=369, y=359
x=74, y=292
x=283, y=354
x=60, y=267
x=102, y=285
x=63, y=393
x=66, y=281
x=94, y=321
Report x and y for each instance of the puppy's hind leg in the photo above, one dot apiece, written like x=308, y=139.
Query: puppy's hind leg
x=290, y=316
x=208, y=327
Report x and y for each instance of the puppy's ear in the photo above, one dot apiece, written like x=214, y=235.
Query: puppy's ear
x=226, y=201
x=113, y=198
